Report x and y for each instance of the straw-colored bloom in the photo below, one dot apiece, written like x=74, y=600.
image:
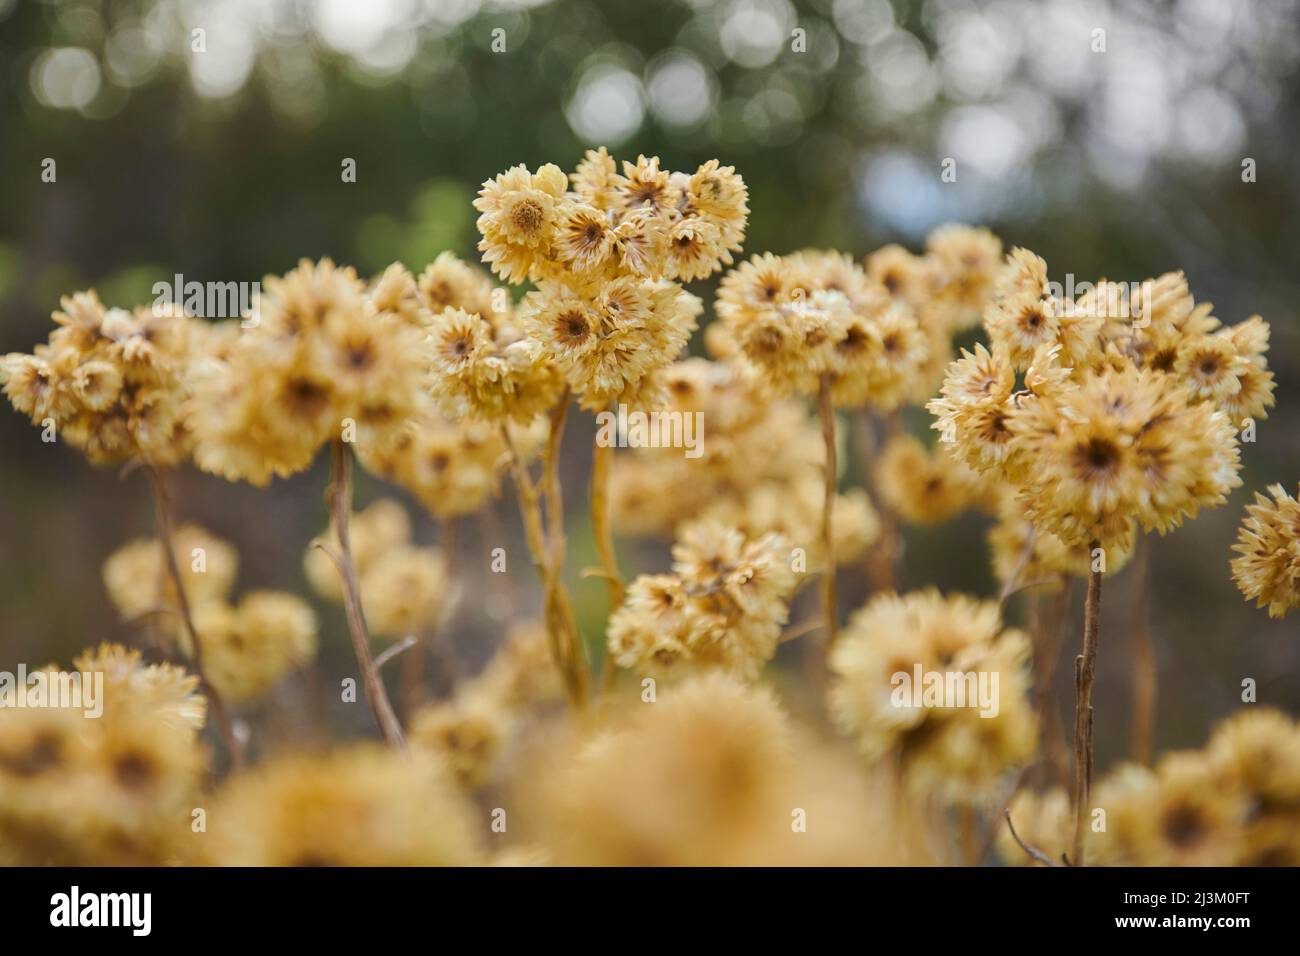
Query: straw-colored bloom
x=1267, y=565
x=924, y=486
x=961, y=751
x=723, y=606
x=139, y=586
x=328, y=359
x=251, y=647
x=110, y=382
x=116, y=790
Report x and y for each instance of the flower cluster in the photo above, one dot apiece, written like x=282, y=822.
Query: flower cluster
x=328, y=359
x=708, y=775
x=471, y=730
x=114, y=790
x=135, y=576
x=925, y=486
x=1234, y=803
x=247, y=648
x=357, y=806
x=1087, y=410
x=759, y=470
x=110, y=382
x=962, y=753
x=1267, y=565
x=800, y=317
x=722, y=607
x=607, y=251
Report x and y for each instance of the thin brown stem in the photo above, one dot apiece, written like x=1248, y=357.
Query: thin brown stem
x=163, y=520
x=826, y=411
x=339, y=498
x=1035, y=853
x=1143, y=717
x=393, y=650
x=991, y=832
x=1014, y=583
x=1085, y=673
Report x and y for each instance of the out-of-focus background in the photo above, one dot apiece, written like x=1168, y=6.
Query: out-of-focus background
x=1117, y=139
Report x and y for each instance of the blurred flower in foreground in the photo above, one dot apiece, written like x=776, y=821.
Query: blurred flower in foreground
x=359, y=806
x=712, y=774
x=116, y=790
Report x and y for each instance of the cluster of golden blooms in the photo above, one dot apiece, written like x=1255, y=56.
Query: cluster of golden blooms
x=925, y=486
x=1267, y=565
x=961, y=754
x=723, y=606
x=250, y=647
x=1109, y=429
x=607, y=252
x=247, y=648
x=112, y=790
x=799, y=317
x=327, y=358
x=472, y=729
x=362, y=805
x=1025, y=556
x=405, y=589
x=454, y=466
x=882, y=333
x=714, y=773
x=483, y=367
x=759, y=468
x=1234, y=803
x=110, y=382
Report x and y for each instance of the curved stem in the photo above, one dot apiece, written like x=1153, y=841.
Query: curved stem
x=827, y=414
x=339, y=497
x=220, y=715
x=1085, y=672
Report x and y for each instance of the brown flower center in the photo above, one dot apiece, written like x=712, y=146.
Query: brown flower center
x=42, y=754
x=527, y=215
x=1184, y=825
x=1099, y=455
x=133, y=770
x=573, y=327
